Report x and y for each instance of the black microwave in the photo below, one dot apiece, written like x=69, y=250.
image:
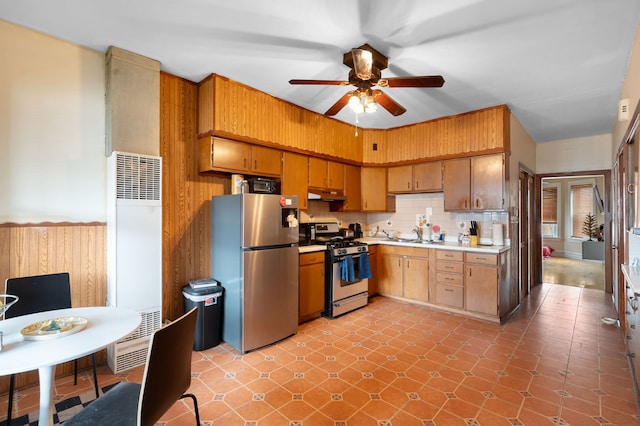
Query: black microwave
x=258, y=185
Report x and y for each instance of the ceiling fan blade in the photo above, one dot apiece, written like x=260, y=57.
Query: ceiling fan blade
x=421, y=81
x=362, y=62
x=325, y=82
x=387, y=103
x=335, y=108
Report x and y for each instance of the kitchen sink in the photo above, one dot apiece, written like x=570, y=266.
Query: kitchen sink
x=410, y=240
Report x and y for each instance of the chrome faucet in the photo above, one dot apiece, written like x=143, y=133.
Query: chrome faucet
x=418, y=231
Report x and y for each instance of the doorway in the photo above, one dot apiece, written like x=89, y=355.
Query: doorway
x=575, y=229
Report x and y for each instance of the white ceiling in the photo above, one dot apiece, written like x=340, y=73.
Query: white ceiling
x=558, y=64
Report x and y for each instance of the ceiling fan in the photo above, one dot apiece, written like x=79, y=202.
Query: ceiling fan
x=366, y=65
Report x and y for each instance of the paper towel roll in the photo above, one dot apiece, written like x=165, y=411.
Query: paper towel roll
x=497, y=236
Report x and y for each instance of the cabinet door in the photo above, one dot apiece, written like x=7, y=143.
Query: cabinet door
x=373, y=262
x=352, y=189
x=317, y=172
x=399, y=179
x=427, y=177
x=481, y=289
x=335, y=176
x=374, y=189
x=457, y=184
x=224, y=155
x=416, y=278
x=390, y=275
x=311, y=290
x=487, y=177
x=295, y=175
x=266, y=161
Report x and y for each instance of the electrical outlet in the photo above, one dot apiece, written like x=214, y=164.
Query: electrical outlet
x=429, y=211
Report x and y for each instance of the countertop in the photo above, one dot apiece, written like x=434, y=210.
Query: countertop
x=439, y=246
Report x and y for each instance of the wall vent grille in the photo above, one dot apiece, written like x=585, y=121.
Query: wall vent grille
x=131, y=351
x=138, y=177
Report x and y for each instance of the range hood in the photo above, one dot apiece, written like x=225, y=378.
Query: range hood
x=326, y=196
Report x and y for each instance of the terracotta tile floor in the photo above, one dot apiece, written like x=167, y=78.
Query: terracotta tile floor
x=393, y=363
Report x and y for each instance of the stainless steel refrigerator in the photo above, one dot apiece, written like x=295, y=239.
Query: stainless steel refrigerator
x=255, y=258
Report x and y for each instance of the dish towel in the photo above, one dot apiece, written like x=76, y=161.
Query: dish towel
x=365, y=267
x=347, y=272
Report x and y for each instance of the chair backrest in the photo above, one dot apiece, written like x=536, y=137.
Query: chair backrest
x=39, y=293
x=167, y=373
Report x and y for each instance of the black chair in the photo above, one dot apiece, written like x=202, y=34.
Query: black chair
x=167, y=376
x=41, y=293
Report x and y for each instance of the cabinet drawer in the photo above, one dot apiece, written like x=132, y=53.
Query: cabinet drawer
x=446, y=278
x=311, y=258
x=449, y=255
x=482, y=258
x=449, y=295
x=452, y=267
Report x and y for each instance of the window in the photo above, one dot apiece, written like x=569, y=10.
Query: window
x=550, y=212
x=581, y=205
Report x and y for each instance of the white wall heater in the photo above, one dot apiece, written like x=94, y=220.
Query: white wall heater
x=134, y=250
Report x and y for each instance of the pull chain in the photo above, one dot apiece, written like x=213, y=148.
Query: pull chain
x=356, y=124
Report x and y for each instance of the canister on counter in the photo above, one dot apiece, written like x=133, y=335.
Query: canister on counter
x=236, y=183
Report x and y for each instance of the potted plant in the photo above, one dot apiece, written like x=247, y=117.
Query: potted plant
x=590, y=227
x=593, y=248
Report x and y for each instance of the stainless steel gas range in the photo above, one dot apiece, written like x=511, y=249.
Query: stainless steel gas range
x=346, y=271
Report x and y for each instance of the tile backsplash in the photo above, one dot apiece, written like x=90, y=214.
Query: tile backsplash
x=408, y=207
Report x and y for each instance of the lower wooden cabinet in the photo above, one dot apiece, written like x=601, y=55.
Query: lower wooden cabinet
x=449, y=286
x=311, y=291
x=632, y=326
x=373, y=263
x=404, y=272
x=481, y=283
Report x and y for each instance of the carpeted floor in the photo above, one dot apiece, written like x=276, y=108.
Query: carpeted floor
x=573, y=272
x=63, y=410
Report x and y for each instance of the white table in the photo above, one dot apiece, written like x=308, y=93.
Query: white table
x=105, y=326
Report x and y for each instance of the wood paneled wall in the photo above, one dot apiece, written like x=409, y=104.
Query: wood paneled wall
x=37, y=249
x=186, y=194
x=235, y=111
x=477, y=132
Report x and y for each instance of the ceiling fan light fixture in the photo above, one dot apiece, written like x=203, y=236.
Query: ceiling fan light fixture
x=362, y=101
x=362, y=62
x=355, y=104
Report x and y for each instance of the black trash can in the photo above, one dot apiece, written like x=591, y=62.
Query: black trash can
x=208, y=300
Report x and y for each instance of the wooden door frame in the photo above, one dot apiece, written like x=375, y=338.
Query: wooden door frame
x=606, y=198
x=526, y=218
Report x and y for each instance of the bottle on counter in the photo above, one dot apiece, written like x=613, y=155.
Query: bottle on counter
x=426, y=234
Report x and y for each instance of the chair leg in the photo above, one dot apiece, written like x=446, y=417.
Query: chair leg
x=195, y=406
x=75, y=372
x=12, y=383
x=95, y=375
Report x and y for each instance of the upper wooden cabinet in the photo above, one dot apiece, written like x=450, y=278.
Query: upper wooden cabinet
x=475, y=183
x=326, y=175
x=224, y=155
x=421, y=177
x=352, y=189
x=295, y=175
x=374, y=190
x=219, y=154
x=266, y=161
x=400, y=179
x=427, y=177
